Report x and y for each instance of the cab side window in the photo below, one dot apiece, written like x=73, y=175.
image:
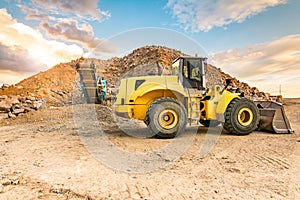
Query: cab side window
x=185, y=71
x=175, y=67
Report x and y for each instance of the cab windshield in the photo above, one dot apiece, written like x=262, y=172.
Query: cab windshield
x=195, y=66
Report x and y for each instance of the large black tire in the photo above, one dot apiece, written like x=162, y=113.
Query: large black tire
x=241, y=117
x=209, y=123
x=166, y=118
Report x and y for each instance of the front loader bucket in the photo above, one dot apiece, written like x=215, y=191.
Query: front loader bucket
x=272, y=117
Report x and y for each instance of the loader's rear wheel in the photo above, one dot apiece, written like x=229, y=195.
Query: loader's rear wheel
x=209, y=123
x=166, y=118
x=241, y=117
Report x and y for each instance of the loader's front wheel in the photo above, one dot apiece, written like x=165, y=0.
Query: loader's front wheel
x=241, y=117
x=166, y=118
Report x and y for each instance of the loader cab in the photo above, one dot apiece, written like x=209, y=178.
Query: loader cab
x=190, y=71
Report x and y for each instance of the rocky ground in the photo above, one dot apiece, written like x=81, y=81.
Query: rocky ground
x=44, y=155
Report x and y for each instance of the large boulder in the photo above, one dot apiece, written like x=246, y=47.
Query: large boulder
x=30, y=98
x=5, y=105
x=38, y=104
x=10, y=115
x=18, y=111
x=14, y=100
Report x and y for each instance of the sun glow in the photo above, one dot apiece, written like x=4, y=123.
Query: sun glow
x=30, y=42
x=54, y=53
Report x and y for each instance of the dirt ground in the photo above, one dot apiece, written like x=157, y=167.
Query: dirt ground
x=52, y=154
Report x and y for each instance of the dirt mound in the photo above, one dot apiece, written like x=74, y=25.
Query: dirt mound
x=141, y=61
x=57, y=84
x=151, y=59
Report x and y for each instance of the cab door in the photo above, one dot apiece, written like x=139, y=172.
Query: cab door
x=191, y=73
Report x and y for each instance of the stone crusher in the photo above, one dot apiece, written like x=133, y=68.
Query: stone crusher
x=92, y=86
x=272, y=117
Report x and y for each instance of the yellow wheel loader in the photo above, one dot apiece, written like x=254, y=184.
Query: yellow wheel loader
x=167, y=103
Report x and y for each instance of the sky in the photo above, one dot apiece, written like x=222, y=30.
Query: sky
x=256, y=41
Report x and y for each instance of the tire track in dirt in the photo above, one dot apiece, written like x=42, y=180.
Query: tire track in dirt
x=257, y=166
x=264, y=163
x=271, y=162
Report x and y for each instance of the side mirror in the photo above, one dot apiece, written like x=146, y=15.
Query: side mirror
x=228, y=81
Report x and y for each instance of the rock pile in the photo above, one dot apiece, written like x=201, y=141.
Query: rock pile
x=4, y=86
x=13, y=106
x=150, y=58
x=146, y=58
x=250, y=92
x=57, y=84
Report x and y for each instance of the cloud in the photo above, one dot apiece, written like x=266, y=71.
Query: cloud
x=66, y=20
x=266, y=65
x=70, y=31
x=82, y=9
x=34, y=14
x=24, y=50
x=14, y=34
x=10, y=77
x=18, y=59
x=203, y=15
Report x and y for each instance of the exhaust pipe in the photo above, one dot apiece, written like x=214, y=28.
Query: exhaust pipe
x=272, y=117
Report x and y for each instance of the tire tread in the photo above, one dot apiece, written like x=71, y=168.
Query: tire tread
x=229, y=123
x=147, y=120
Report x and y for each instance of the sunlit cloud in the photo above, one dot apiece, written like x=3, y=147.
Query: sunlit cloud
x=82, y=9
x=24, y=50
x=203, y=15
x=10, y=77
x=16, y=58
x=266, y=65
x=63, y=35
x=33, y=13
x=70, y=31
x=67, y=21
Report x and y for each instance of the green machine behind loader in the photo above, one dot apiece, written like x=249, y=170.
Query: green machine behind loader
x=92, y=86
